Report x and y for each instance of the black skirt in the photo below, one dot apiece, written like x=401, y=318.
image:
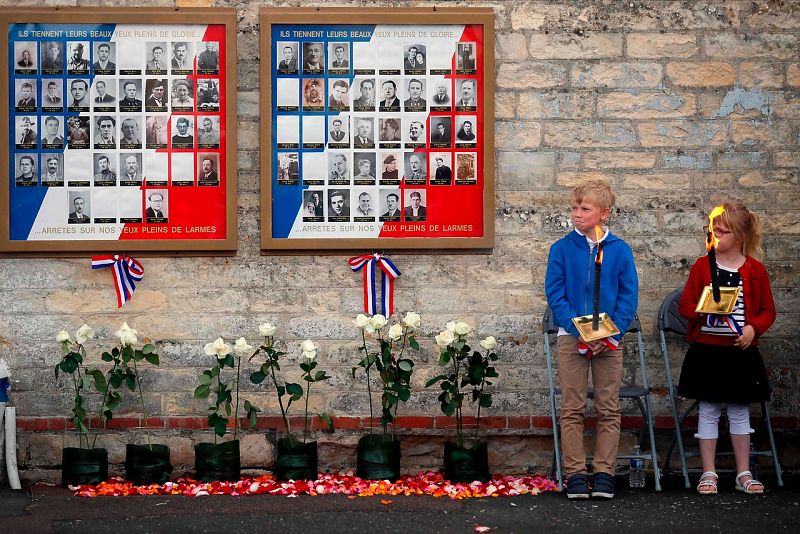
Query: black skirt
x=718, y=373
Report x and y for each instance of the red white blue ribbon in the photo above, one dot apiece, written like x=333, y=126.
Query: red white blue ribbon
x=721, y=321
x=583, y=347
x=369, y=262
x=125, y=270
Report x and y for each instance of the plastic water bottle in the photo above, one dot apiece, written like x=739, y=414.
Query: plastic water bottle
x=636, y=473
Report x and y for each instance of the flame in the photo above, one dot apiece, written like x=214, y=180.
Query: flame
x=712, y=240
x=598, y=232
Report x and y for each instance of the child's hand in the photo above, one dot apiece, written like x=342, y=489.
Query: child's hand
x=743, y=341
x=597, y=346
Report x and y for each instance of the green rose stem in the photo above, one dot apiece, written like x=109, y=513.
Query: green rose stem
x=369, y=387
x=141, y=400
x=280, y=397
x=459, y=434
x=236, y=411
x=77, y=421
x=305, y=417
x=106, y=394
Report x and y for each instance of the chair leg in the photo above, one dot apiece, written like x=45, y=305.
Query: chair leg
x=775, y=460
x=656, y=471
x=678, y=438
x=556, y=443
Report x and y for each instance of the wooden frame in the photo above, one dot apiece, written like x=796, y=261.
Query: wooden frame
x=281, y=233
x=134, y=35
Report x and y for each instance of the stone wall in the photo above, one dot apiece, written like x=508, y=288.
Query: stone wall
x=677, y=104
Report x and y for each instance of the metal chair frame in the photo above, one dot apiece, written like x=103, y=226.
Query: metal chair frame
x=639, y=394
x=670, y=321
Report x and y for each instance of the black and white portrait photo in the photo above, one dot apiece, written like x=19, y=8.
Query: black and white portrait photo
x=287, y=57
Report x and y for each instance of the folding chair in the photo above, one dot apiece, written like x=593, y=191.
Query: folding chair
x=671, y=322
x=640, y=394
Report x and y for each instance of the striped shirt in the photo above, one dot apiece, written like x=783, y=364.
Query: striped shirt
x=728, y=278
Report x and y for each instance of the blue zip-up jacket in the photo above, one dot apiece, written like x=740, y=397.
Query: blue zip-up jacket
x=569, y=282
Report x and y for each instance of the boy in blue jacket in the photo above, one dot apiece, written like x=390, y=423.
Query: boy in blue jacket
x=569, y=285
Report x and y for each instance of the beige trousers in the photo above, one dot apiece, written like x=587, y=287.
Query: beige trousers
x=573, y=374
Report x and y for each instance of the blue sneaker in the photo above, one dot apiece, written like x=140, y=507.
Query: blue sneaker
x=602, y=486
x=577, y=487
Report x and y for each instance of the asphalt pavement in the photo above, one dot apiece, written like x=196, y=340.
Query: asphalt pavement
x=48, y=509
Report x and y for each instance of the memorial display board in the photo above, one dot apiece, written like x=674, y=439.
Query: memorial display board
x=377, y=128
x=121, y=130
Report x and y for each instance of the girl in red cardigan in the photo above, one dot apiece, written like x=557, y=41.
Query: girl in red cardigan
x=723, y=364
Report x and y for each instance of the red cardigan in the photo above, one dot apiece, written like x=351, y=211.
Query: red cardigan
x=759, y=308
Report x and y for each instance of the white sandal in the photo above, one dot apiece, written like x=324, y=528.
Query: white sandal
x=708, y=483
x=747, y=487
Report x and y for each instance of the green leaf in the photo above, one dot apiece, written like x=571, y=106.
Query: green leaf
x=281, y=391
x=106, y=357
x=432, y=381
x=320, y=375
x=130, y=381
x=99, y=380
x=205, y=378
x=404, y=395
x=295, y=389
x=304, y=367
x=257, y=377
x=327, y=420
x=221, y=427
x=148, y=348
x=486, y=400
x=68, y=364
x=444, y=358
x=229, y=361
x=152, y=358
x=412, y=342
x=202, y=391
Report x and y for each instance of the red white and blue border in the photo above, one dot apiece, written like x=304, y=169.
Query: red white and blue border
x=197, y=218
x=459, y=215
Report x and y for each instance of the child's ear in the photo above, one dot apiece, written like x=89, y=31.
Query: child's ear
x=605, y=214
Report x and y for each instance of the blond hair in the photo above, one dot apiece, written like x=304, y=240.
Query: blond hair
x=745, y=225
x=598, y=192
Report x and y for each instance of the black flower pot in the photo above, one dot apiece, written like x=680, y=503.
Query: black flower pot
x=378, y=457
x=147, y=464
x=296, y=460
x=219, y=461
x=466, y=464
x=83, y=466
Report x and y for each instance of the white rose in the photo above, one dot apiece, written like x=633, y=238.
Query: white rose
x=444, y=338
x=129, y=337
x=489, y=343
x=396, y=332
x=217, y=348
x=412, y=320
x=84, y=332
x=63, y=336
x=266, y=329
x=361, y=320
x=462, y=328
x=309, y=349
x=126, y=335
x=451, y=326
x=241, y=347
x=377, y=321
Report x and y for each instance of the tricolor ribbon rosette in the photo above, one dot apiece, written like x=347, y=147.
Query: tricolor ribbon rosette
x=368, y=263
x=125, y=270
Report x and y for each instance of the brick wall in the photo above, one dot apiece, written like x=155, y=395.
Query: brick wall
x=677, y=104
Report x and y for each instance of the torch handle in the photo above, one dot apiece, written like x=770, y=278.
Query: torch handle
x=596, y=303
x=712, y=264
